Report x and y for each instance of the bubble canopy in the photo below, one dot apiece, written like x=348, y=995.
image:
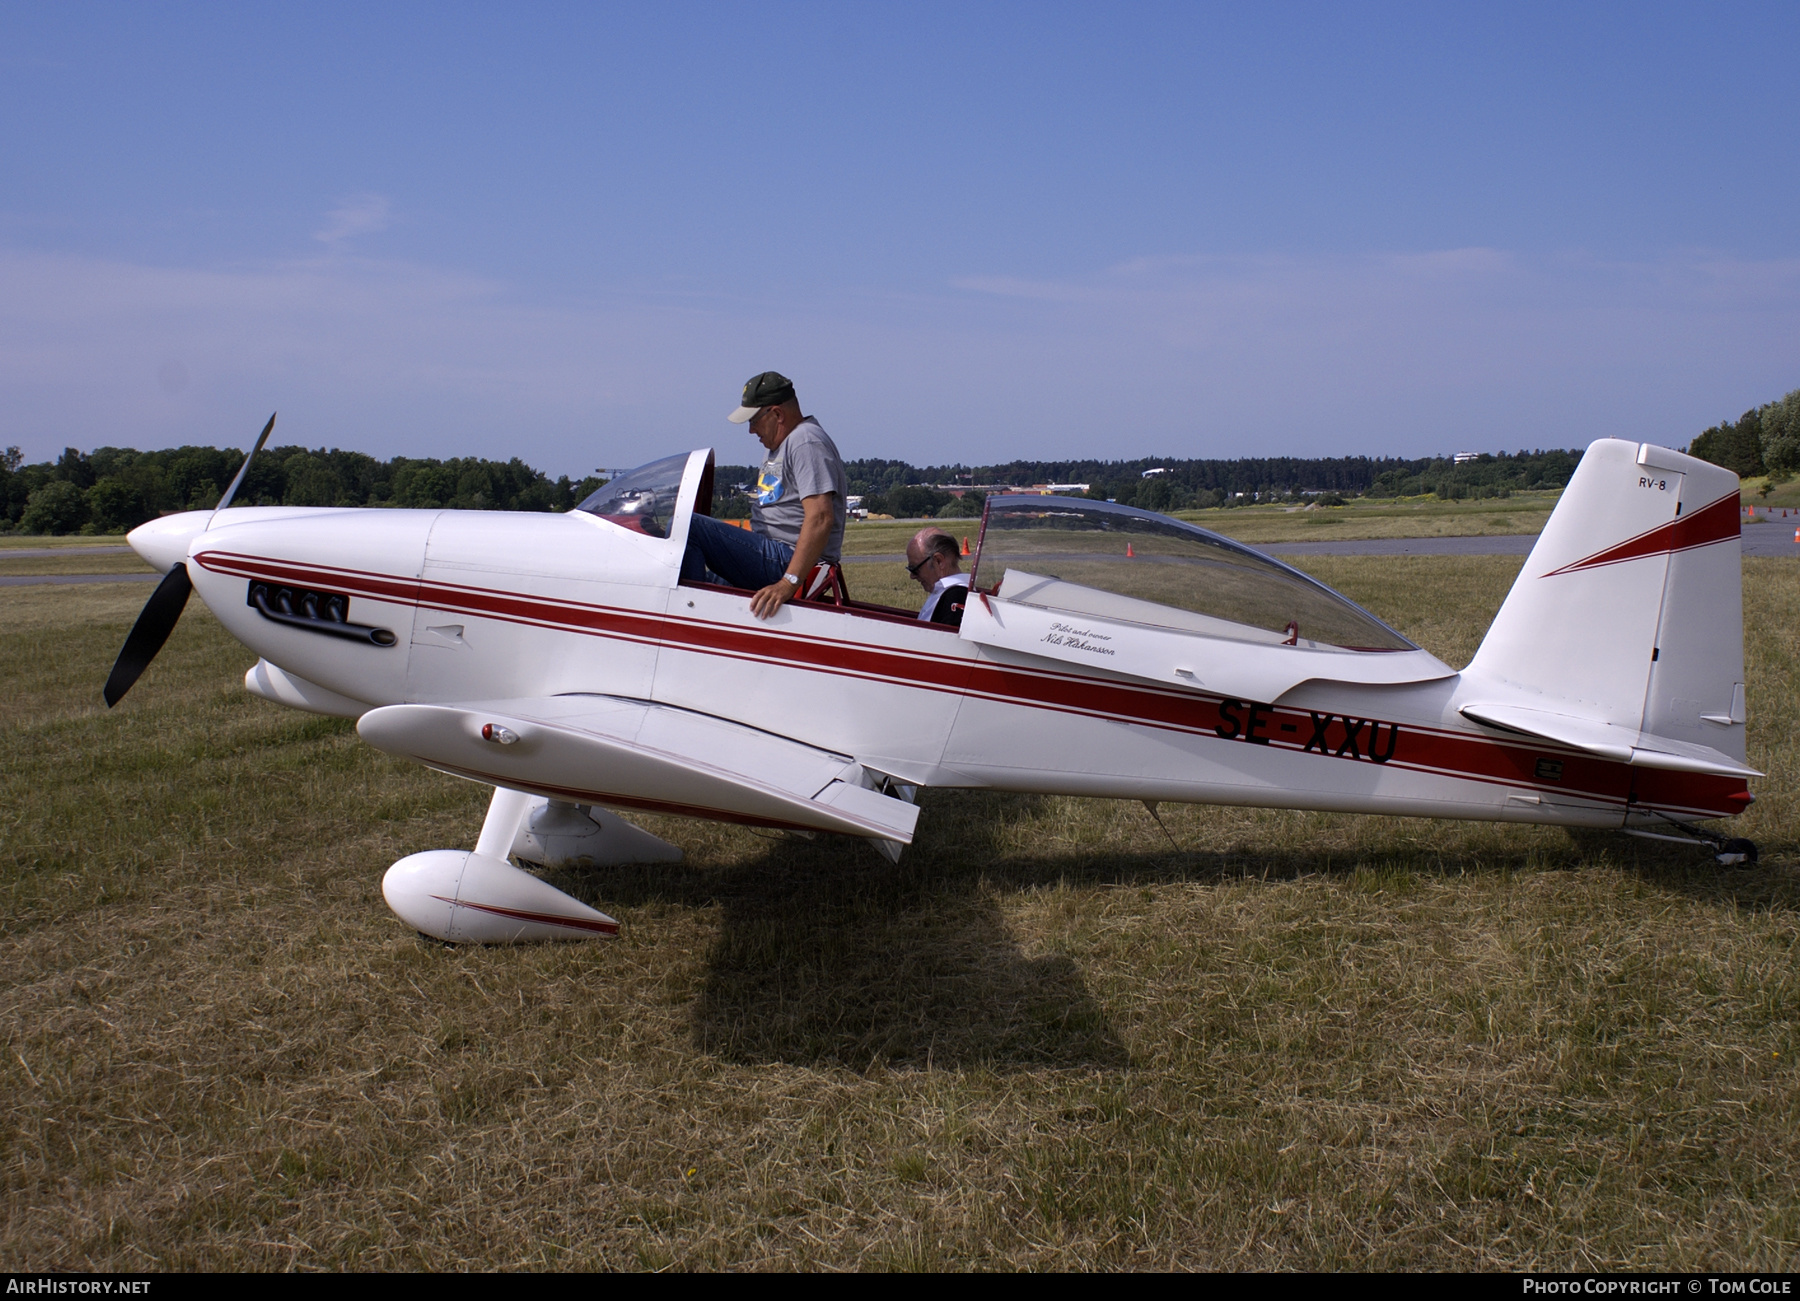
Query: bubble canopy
x=643, y=499
x=1116, y=562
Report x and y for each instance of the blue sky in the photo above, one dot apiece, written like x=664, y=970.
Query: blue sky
x=969, y=232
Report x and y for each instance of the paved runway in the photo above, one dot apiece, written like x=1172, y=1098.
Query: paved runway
x=1770, y=540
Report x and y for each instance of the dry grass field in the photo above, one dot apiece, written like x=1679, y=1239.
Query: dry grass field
x=36, y=541
x=1049, y=1038
x=1407, y=517
x=1783, y=494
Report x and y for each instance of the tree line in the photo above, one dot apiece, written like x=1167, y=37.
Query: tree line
x=901, y=489
x=1764, y=440
x=113, y=489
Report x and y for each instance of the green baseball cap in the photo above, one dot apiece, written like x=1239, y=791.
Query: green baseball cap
x=769, y=389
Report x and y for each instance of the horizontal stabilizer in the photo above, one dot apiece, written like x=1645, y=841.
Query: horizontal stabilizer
x=633, y=754
x=1608, y=741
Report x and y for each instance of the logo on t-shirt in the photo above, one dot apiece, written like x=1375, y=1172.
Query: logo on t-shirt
x=768, y=483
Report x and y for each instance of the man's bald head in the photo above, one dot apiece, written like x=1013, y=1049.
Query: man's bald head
x=928, y=540
x=931, y=555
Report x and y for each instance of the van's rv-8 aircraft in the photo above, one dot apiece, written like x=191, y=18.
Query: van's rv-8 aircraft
x=1106, y=651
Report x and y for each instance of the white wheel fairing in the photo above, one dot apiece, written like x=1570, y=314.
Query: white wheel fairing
x=460, y=896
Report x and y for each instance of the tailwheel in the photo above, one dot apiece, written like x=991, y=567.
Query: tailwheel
x=1726, y=852
x=1736, y=853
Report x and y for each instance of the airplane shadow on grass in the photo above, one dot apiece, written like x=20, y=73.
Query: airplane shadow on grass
x=828, y=955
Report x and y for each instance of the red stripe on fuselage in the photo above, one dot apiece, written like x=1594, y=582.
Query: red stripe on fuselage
x=1436, y=751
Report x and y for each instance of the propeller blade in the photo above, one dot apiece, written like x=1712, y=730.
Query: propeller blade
x=245, y=467
x=151, y=630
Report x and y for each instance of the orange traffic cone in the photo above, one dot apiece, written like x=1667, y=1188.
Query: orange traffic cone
x=965, y=546
x=1128, y=550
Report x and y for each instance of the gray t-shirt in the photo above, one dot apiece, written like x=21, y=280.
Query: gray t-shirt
x=805, y=465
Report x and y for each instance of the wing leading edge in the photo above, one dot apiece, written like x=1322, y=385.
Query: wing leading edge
x=632, y=754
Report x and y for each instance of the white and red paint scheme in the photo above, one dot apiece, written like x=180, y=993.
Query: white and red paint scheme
x=560, y=659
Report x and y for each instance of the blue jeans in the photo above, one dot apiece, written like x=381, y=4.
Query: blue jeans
x=738, y=556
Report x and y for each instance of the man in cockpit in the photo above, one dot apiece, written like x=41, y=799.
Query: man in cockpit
x=797, y=515
x=935, y=564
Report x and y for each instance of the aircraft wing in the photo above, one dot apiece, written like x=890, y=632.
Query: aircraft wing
x=633, y=754
x=1609, y=741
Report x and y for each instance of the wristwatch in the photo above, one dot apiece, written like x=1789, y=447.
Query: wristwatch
x=792, y=579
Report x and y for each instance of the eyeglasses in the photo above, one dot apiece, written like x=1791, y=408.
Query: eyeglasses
x=912, y=571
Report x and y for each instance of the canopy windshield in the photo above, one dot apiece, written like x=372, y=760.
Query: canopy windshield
x=1115, y=562
x=642, y=500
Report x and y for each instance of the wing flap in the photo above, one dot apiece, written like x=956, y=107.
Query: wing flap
x=633, y=754
x=1608, y=740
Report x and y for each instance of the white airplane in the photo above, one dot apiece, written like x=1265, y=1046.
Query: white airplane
x=1106, y=651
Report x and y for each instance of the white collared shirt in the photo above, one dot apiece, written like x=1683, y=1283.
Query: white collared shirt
x=942, y=585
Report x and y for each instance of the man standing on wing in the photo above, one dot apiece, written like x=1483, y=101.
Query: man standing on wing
x=797, y=516
x=934, y=563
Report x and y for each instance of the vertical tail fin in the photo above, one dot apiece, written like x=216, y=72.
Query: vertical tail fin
x=1629, y=610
